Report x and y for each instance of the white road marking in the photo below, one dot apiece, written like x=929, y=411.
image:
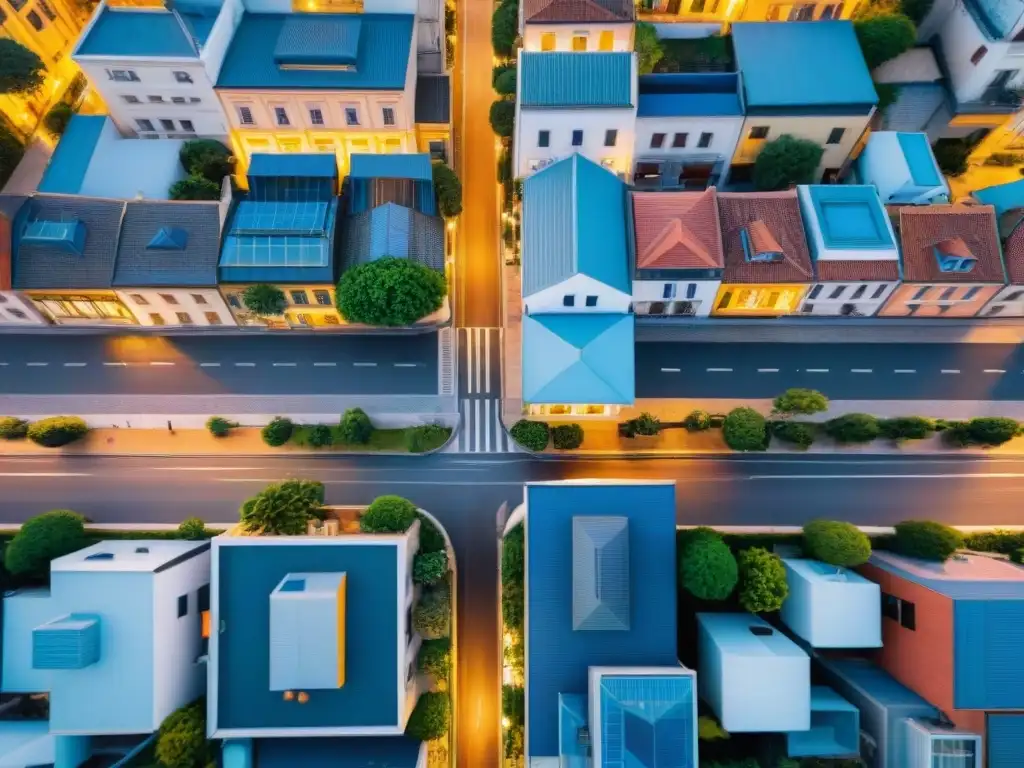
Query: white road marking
x=119, y=365
x=284, y=365
x=45, y=474
x=905, y=370
x=670, y=370
x=209, y=365
x=767, y=370
x=205, y=469
x=487, y=359
x=37, y=365
x=817, y=370
x=365, y=365
x=405, y=365
x=951, y=370
x=324, y=365
x=994, y=475
x=861, y=370
x=245, y=365
x=74, y=365
x=476, y=368
x=158, y=363
x=719, y=370
x=469, y=361
x=994, y=370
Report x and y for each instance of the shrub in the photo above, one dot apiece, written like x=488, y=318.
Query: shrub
x=426, y=437
x=992, y=430
x=647, y=46
x=219, y=426
x=1004, y=542
x=431, y=538
x=503, y=117
x=800, y=401
x=532, y=435
x=264, y=300
x=798, y=433
x=435, y=658
x=707, y=568
x=283, y=509
x=181, y=741
x=192, y=528
x=1017, y=556
x=57, y=431
x=926, y=540
x=513, y=705
x=194, y=187
x=566, y=437
x=916, y=10
x=278, y=431
x=448, y=188
x=504, y=29
x=57, y=119
x=388, y=514
x=433, y=613
x=853, y=428
x=207, y=158
x=512, y=575
x=390, y=292
x=42, y=539
x=11, y=151
x=21, y=70
x=837, y=543
x=697, y=421
x=905, y=428
x=951, y=156
x=884, y=36
x=513, y=604
x=745, y=430
x=430, y=567
x=763, y=585
x=646, y=424
x=320, y=436
x=429, y=718
x=505, y=82
x=786, y=161
x=12, y=428
x=709, y=729
x=355, y=427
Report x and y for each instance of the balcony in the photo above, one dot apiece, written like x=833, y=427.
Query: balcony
x=994, y=101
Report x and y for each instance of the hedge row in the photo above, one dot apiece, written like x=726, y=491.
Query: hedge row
x=535, y=435
x=353, y=429
x=52, y=432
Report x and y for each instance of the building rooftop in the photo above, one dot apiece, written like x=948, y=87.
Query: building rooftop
x=137, y=33
x=125, y=556
x=433, y=99
x=1013, y=255
x=394, y=230
x=964, y=577
x=365, y=51
x=781, y=68
x=689, y=95
x=570, y=81
x=574, y=222
x=307, y=166
x=902, y=167
x=578, y=358
x=172, y=243
x=10, y=205
x=996, y=18
x=831, y=607
x=345, y=752
x=577, y=11
x=914, y=66
x=677, y=230
x=558, y=654
x=834, y=731
x=769, y=223
x=406, y=180
x=940, y=242
x=1003, y=197
x=416, y=166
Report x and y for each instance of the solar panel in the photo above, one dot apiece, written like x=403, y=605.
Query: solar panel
x=647, y=721
x=274, y=251
x=253, y=218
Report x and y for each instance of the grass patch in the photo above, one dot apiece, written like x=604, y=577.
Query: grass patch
x=380, y=439
x=699, y=54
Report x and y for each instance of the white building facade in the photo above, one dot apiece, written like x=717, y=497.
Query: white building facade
x=578, y=38
x=177, y=307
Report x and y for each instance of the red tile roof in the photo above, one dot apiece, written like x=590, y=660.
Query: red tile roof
x=846, y=270
x=1013, y=254
x=677, y=230
x=970, y=229
x=774, y=215
x=559, y=11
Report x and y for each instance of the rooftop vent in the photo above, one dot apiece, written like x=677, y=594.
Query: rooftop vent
x=101, y=556
x=761, y=631
x=169, y=239
x=67, y=236
x=953, y=255
x=142, y=550
x=294, y=585
x=759, y=245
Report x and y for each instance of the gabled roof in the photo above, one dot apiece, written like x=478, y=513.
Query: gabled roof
x=137, y=33
x=677, y=230
x=169, y=244
x=394, y=230
x=578, y=358
x=577, y=11
x=567, y=80
x=1013, y=255
x=574, y=222
x=764, y=214
x=922, y=228
x=69, y=163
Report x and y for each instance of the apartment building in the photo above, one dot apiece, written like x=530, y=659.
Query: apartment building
x=155, y=67
x=576, y=25
x=570, y=104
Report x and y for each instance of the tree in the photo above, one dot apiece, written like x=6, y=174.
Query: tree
x=429, y=567
x=837, y=543
x=388, y=514
x=283, y=509
x=513, y=557
x=786, y=161
x=884, y=36
x=390, y=292
x=567, y=437
x=355, y=427
x=646, y=424
x=906, y=428
x=218, y=426
x=11, y=151
x=207, y=158
x=263, y=300
x=432, y=615
x=192, y=528
x=194, y=187
x=926, y=540
x=21, y=71
x=763, y=584
x=435, y=658
x=449, y=190
x=992, y=430
x=799, y=401
x=181, y=741
x=503, y=117
x=707, y=568
x=745, y=430
x=57, y=119
x=505, y=82
x=916, y=10
x=647, y=46
x=431, y=537
x=853, y=428
x=697, y=421
x=505, y=29
x=57, y=431
x=429, y=718
x=278, y=431
x=44, y=538
x=513, y=705
x=320, y=436
x=532, y=435
x=798, y=433
x=12, y=428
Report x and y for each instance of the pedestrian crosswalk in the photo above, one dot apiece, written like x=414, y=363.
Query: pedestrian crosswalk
x=481, y=430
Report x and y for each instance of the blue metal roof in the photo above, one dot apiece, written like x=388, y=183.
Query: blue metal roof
x=415, y=166
x=578, y=358
x=988, y=673
x=310, y=165
x=689, y=95
x=342, y=752
x=557, y=657
x=152, y=252
x=918, y=154
x=1002, y=196
x=134, y=32
x=996, y=18
x=255, y=59
x=850, y=217
x=574, y=222
x=597, y=80
x=1005, y=740
x=781, y=65
x=70, y=159
x=648, y=721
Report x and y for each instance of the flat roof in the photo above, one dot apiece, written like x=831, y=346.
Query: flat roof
x=689, y=95
x=123, y=555
x=960, y=577
x=137, y=32
x=849, y=217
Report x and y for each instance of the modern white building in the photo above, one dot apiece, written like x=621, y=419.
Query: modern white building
x=155, y=67
x=831, y=607
x=902, y=168
x=575, y=104
x=576, y=25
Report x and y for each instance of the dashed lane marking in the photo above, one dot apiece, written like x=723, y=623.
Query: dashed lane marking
x=209, y=365
x=905, y=370
x=365, y=365
x=324, y=365
x=767, y=370
x=994, y=370
x=284, y=365
x=719, y=370
x=861, y=370
x=817, y=370
x=951, y=370
x=670, y=370
x=74, y=365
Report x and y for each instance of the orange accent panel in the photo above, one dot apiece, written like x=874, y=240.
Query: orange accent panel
x=206, y=624
x=341, y=629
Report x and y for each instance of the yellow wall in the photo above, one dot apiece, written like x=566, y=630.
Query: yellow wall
x=428, y=133
x=772, y=10
x=68, y=307
x=341, y=143
x=753, y=300
x=317, y=315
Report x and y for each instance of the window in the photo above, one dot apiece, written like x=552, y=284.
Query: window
x=1015, y=296
x=213, y=318
x=890, y=607
x=878, y=292
x=758, y=132
x=281, y=116
x=804, y=12
x=697, y=6
x=351, y=116
x=123, y=75
x=198, y=298
x=543, y=138
x=834, y=11
x=899, y=610
x=388, y=113
x=144, y=125
x=971, y=293
x=305, y=319
x=579, y=43
x=48, y=12
x=691, y=290
x=155, y=99
x=245, y=116
x=182, y=77
x=177, y=99
x=979, y=54
x=908, y=615
x=331, y=320
x=316, y=116
x=835, y=135
x=184, y=318
x=569, y=300
x=194, y=100
x=203, y=598
x=591, y=301
x=188, y=126
x=679, y=140
x=610, y=137
x=837, y=292
x=128, y=99
x=323, y=298
x=35, y=20
x=17, y=314
x=607, y=41
x=705, y=140
x=183, y=606
x=668, y=291
x=299, y=297
x=991, y=310
x=815, y=291
x=156, y=319
x=167, y=125
x=547, y=41
x=577, y=138
x=807, y=308
x=234, y=301
x=947, y=294
x=921, y=293
x=139, y=299
x=657, y=140
x=913, y=308
x=726, y=298
x=169, y=298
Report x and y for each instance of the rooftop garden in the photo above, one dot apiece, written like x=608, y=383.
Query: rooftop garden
x=703, y=54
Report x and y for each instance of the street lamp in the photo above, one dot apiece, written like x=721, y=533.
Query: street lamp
x=505, y=722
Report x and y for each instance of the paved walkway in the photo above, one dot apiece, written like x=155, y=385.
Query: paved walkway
x=26, y=177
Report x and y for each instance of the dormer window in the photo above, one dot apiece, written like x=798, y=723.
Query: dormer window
x=953, y=255
x=759, y=245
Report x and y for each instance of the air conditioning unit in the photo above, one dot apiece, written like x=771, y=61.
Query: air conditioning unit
x=537, y=165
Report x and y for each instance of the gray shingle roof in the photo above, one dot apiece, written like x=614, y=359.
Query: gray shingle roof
x=394, y=230
x=138, y=265
x=38, y=266
x=433, y=99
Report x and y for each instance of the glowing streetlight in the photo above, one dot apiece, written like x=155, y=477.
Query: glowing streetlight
x=505, y=722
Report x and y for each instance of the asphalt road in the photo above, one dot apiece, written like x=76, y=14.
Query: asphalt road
x=219, y=365
x=841, y=371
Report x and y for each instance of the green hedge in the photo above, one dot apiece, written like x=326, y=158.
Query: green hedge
x=532, y=435
x=906, y=428
x=429, y=567
x=278, y=431
x=853, y=428
x=429, y=718
x=513, y=556
x=567, y=437
x=426, y=437
x=697, y=421
x=837, y=543
x=432, y=616
x=57, y=431
x=707, y=567
x=798, y=433
x=12, y=428
x=926, y=539
x=745, y=430
x=388, y=514
x=435, y=658
x=355, y=427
